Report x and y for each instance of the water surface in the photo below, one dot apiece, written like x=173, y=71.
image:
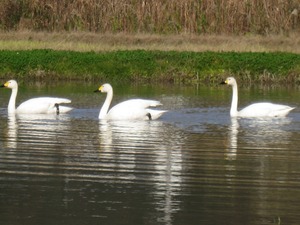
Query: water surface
x=195, y=165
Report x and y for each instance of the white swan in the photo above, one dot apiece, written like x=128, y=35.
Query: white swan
x=41, y=105
x=263, y=109
x=134, y=109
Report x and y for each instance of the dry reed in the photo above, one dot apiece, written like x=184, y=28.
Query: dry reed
x=153, y=16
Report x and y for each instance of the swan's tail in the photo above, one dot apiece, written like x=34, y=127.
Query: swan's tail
x=283, y=112
x=59, y=108
x=65, y=109
x=155, y=114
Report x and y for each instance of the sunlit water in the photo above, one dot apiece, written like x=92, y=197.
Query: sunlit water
x=195, y=165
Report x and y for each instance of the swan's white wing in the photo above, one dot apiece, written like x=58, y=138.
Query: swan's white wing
x=43, y=105
x=265, y=109
x=133, y=109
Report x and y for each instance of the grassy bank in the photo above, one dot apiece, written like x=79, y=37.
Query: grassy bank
x=140, y=65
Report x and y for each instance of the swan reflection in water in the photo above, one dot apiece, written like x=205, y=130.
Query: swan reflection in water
x=231, y=150
x=148, y=154
x=12, y=132
x=266, y=133
x=23, y=128
x=258, y=133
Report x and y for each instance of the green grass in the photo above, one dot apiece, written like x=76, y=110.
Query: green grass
x=145, y=66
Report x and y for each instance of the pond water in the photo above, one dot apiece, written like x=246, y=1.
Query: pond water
x=195, y=165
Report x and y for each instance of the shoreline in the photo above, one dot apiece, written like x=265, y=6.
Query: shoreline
x=88, y=41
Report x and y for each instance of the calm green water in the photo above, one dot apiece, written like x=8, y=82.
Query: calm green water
x=193, y=166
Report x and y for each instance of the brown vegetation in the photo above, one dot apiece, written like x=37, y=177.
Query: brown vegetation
x=153, y=16
x=89, y=41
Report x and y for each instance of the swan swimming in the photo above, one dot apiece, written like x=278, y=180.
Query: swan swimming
x=263, y=109
x=41, y=105
x=133, y=109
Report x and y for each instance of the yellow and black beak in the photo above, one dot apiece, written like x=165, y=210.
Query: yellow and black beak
x=224, y=82
x=4, y=85
x=99, y=89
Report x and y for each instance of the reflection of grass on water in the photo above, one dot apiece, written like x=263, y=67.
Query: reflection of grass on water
x=141, y=65
x=277, y=220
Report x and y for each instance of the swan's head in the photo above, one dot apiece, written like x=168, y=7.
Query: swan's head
x=104, y=88
x=12, y=84
x=229, y=81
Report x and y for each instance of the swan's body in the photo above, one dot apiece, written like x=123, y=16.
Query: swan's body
x=134, y=109
x=41, y=105
x=264, y=109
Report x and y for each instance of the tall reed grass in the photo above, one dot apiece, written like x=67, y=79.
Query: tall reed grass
x=152, y=16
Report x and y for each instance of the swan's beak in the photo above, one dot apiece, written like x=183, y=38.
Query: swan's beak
x=224, y=82
x=99, y=89
x=4, y=85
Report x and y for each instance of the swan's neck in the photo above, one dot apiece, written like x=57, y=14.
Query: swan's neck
x=12, y=101
x=105, y=107
x=234, y=102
